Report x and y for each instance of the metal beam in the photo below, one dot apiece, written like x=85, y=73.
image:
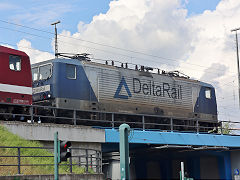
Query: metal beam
x=236, y=29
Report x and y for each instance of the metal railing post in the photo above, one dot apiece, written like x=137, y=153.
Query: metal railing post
x=79, y=162
x=97, y=162
x=171, y=121
x=91, y=162
x=54, y=114
x=19, y=161
x=31, y=114
x=70, y=161
x=143, y=122
x=112, y=120
x=86, y=160
x=221, y=128
x=74, y=117
x=197, y=126
x=100, y=161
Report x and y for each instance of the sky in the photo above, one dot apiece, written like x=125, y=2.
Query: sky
x=192, y=36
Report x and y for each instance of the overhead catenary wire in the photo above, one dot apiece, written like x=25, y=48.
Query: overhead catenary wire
x=31, y=34
x=100, y=44
x=52, y=52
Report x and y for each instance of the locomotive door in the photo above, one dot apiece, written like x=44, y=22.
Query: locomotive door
x=93, y=79
x=195, y=99
x=93, y=88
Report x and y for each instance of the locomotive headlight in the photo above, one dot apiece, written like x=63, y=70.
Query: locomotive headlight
x=49, y=95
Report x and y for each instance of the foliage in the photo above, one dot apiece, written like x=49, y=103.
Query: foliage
x=9, y=139
x=226, y=128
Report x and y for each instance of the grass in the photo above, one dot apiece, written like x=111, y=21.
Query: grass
x=9, y=139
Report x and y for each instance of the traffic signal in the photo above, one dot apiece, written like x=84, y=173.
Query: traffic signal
x=64, y=151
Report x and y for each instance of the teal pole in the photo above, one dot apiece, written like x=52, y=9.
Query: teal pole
x=56, y=151
x=124, y=129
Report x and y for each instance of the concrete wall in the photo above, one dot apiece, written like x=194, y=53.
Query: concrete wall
x=45, y=132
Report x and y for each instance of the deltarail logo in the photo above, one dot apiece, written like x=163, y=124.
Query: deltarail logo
x=122, y=84
x=150, y=88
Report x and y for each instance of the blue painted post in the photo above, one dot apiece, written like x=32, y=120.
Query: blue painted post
x=224, y=165
x=124, y=130
x=227, y=163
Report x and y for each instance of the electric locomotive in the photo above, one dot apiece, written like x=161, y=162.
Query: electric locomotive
x=79, y=83
x=15, y=80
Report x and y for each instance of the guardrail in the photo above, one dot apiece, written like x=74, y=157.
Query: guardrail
x=49, y=114
x=89, y=159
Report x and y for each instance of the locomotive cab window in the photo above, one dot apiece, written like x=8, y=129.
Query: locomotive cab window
x=35, y=74
x=15, y=63
x=71, y=71
x=208, y=93
x=45, y=71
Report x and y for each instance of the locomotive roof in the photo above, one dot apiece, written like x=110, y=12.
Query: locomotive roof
x=4, y=49
x=78, y=62
x=62, y=60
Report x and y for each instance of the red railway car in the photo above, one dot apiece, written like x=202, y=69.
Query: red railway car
x=15, y=77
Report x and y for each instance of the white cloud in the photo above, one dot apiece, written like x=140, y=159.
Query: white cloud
x=34, y=54
x=153, y=27
x=214, y=47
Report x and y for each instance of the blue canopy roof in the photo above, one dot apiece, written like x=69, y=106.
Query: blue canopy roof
x=175, y=138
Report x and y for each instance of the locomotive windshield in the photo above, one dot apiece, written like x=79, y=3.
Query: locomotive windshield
x=15, y=63
x=45, y=71
x=208, y=93
x=42, y=72
x=35, y=74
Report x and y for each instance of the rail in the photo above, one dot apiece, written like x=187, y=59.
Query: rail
x=88, y=160
x=102, y=119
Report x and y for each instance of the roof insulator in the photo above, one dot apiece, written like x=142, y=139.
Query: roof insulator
x=136, y=67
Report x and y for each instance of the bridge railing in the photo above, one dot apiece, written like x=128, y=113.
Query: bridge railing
x=49, y=114
x=82, y=160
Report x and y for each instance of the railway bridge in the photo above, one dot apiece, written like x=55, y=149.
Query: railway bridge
x=153, y=154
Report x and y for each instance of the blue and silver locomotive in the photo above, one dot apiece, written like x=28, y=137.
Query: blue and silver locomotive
x=79, y=83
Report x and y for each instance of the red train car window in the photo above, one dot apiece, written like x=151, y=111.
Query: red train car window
x=15, y=63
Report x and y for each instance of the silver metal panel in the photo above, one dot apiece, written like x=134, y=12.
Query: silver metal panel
x=142, y=90
x=92, y=75
x=74, y=104
x=147, y=90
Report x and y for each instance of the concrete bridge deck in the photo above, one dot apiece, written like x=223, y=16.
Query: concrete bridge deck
x=150, y=149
